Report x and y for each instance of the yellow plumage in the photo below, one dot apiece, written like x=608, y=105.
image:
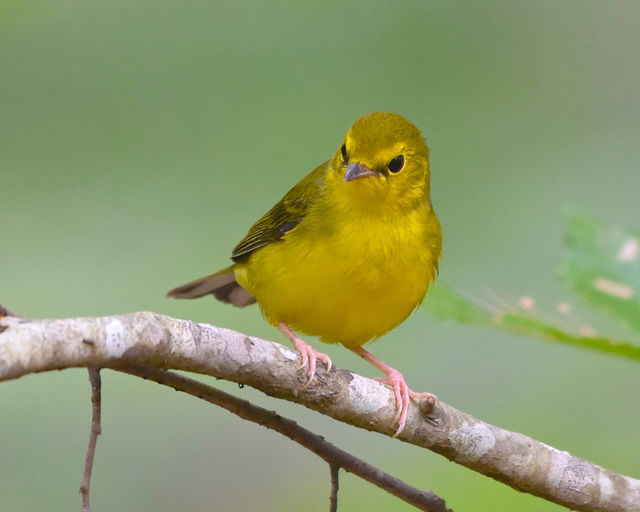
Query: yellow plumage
x=348, y=284
x=349, y=252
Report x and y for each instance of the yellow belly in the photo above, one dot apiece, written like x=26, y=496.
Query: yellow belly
x=348, y=286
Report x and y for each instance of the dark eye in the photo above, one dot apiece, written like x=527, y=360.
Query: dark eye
x=343, y=150
x=396, y=164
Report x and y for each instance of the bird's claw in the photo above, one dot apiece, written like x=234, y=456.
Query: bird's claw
x=403, y=395
x=308, y=355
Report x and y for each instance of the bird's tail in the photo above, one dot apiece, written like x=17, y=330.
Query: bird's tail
x=222, y=285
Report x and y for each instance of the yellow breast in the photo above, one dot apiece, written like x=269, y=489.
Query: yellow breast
x=346, y=280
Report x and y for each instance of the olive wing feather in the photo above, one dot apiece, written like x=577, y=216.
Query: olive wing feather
x=284, y=216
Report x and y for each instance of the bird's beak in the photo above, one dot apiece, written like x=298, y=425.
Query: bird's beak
x=356, y=170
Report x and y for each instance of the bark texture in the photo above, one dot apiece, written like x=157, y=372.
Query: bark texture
x=150, y=339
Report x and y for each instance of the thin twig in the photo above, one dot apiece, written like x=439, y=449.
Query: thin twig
x=96, y=430
x=335, y=485
x=334, y=456
x=5, y=312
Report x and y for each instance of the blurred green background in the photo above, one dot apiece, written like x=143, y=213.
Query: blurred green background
x=138, y=142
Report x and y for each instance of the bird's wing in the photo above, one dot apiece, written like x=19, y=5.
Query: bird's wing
x=284, y=216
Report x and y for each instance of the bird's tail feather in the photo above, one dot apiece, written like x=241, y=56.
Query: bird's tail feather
x=222, y=285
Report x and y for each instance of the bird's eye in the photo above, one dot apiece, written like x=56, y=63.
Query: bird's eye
x=343, y=150
x=396, y=164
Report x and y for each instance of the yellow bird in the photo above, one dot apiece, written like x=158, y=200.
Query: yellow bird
x=348, y=253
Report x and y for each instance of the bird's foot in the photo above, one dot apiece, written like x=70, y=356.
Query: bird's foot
x=308, y=355
x=403, y=394
x=396, y=380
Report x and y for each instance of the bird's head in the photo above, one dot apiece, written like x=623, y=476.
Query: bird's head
x=383, y=162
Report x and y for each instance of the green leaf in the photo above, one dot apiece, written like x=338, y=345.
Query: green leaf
x=447, y=304
x=602, y=264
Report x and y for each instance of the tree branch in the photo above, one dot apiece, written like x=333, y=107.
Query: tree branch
x=158, y=341
x=334, y=456
x=96, y=430
x=335, y=485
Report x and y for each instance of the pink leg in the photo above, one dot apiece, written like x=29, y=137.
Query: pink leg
x=396, y=380
x=308, y=354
